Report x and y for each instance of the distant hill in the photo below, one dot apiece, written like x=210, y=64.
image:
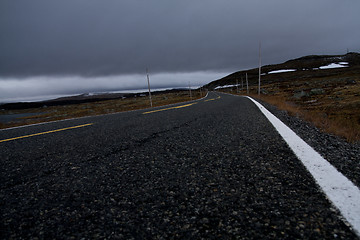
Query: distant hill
x=303, y=67
x=77, y=99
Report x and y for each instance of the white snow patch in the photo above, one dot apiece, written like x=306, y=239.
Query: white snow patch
x=335, y=65
x=340, y=190
x=281, y=71
x=225, y=86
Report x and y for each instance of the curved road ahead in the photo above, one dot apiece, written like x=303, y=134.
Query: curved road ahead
x=213, y=169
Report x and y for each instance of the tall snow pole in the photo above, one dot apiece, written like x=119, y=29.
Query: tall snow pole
x=190, y=91
x=147, y=74
x=259, y=67
x=242, y=84
x=247, y=85
x=237, y=86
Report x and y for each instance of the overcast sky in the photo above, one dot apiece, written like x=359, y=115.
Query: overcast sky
x=50, y=47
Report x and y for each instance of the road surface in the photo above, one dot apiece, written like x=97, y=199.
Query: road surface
x=214, y=169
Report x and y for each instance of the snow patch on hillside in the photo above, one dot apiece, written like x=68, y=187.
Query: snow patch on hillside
x=225, y=86
x=282, y=71
x=335, y=65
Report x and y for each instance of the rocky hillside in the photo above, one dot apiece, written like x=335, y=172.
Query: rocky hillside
x=324, y=90
x=297, y=69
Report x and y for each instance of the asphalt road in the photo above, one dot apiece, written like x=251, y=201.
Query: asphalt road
x=213, y=169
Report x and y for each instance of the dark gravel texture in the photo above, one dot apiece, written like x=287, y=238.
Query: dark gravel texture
x=214, y=170
x=343, y=155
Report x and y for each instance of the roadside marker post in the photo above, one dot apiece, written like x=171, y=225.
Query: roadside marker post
x=237, y=86
x=259, y=67
x=242, y=84
x=190, y=91
x=247, y=85
x=147, y=74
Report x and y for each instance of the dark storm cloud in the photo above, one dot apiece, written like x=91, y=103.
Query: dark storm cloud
x=110, y=37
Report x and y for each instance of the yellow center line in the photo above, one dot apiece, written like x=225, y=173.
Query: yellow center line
x=164, y=109
x=41, y=133
x=212, y=99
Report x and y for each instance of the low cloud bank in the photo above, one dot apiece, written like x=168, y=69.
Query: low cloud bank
x=46, y=87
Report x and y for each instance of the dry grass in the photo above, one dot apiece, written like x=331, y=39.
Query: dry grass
x=97, y=108
x=344, y=127
x=280, y=102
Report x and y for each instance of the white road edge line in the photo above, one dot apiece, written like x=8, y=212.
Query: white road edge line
x=341, y=191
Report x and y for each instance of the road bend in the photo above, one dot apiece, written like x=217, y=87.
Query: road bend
x=214, y=169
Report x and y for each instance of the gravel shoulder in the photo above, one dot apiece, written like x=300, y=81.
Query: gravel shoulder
x=341, y=154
